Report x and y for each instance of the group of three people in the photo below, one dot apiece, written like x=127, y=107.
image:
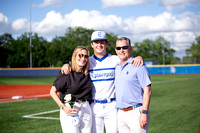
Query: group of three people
x=108, y=90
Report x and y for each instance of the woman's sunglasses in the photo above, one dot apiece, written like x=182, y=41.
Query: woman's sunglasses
x=82, y=55
x=123, y=47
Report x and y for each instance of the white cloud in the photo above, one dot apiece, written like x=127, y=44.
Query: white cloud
x=52, y=24
x=20, y=25
x=3, y=23
x=176, y=2
x=48, y=3
x=118, y=3
x=92, y=19
x=170, y=4
x=56, y=24
x=165, y=22
x=179, y=30
x=3, y=19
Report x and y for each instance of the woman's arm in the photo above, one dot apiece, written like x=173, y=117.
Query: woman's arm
x=69, y=111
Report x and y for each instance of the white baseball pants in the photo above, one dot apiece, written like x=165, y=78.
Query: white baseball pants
x=104, y=114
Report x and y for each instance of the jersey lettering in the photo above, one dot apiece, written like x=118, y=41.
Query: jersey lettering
x=102, y=74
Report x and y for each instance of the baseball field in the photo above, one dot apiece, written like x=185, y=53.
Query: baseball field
x=26, y=106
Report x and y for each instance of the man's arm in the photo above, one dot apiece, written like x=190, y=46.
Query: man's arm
x=145, y=106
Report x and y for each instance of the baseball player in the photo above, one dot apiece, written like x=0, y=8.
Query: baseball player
x=102, y=73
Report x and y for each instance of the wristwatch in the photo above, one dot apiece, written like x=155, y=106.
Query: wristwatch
x=144, y=112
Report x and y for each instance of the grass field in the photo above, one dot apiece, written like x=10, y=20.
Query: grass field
x=175, y=107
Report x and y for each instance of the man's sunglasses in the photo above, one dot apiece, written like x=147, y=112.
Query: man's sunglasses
x=82, y=55
x=123, y=47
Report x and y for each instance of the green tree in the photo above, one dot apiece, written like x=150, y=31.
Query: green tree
x=164, y=51
x=39, y=46
x=5, y=41
x=194, y=51
x=187, y=60
x=61, y=48
x=112, y=38
x=158, y=50
x=176, y=60
x=19, y=55
x=53, y=50
x=144, y=49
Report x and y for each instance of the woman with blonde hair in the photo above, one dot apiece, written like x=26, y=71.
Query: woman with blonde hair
x=75, y=94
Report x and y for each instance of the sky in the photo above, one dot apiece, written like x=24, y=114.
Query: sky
x=178, y=21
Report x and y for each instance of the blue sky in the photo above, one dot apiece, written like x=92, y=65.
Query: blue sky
x=178, y=21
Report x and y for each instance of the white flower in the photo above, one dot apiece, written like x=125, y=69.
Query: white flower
x=68, y=98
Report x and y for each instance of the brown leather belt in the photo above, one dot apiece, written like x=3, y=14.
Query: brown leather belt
x=131, y=107
x=127, y=109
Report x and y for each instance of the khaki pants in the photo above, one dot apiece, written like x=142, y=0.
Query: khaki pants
x=128, y=121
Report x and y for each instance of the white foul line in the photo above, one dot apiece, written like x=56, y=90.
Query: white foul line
x=22, y=98
x=47, y=112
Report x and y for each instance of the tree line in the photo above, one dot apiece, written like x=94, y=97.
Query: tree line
x=16, y=52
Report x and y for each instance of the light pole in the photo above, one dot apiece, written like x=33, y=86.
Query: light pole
x=30, y=39
x=163, y=51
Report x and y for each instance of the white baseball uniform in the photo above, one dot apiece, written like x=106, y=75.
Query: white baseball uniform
x=102, y=73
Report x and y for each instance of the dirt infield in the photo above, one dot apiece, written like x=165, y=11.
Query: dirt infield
x=23, y=92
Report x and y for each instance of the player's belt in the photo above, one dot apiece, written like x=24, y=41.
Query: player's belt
x=104, y=101
x=132, y=107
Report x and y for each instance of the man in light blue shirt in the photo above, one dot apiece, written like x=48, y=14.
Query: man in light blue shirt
x=133, y=91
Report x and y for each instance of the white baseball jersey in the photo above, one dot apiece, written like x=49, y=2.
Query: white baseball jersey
x=102, y=73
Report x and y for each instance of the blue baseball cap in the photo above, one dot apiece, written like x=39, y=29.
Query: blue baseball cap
x=98, y=35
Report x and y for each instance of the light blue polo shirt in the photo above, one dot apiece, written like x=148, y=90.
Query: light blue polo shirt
x=129, y=84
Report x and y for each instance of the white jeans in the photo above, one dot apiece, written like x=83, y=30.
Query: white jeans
x=128, y=121
x=85, y=119
x=104, y=114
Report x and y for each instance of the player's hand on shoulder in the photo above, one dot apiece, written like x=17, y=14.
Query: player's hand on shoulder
x=137, y=61
x=66, y=69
